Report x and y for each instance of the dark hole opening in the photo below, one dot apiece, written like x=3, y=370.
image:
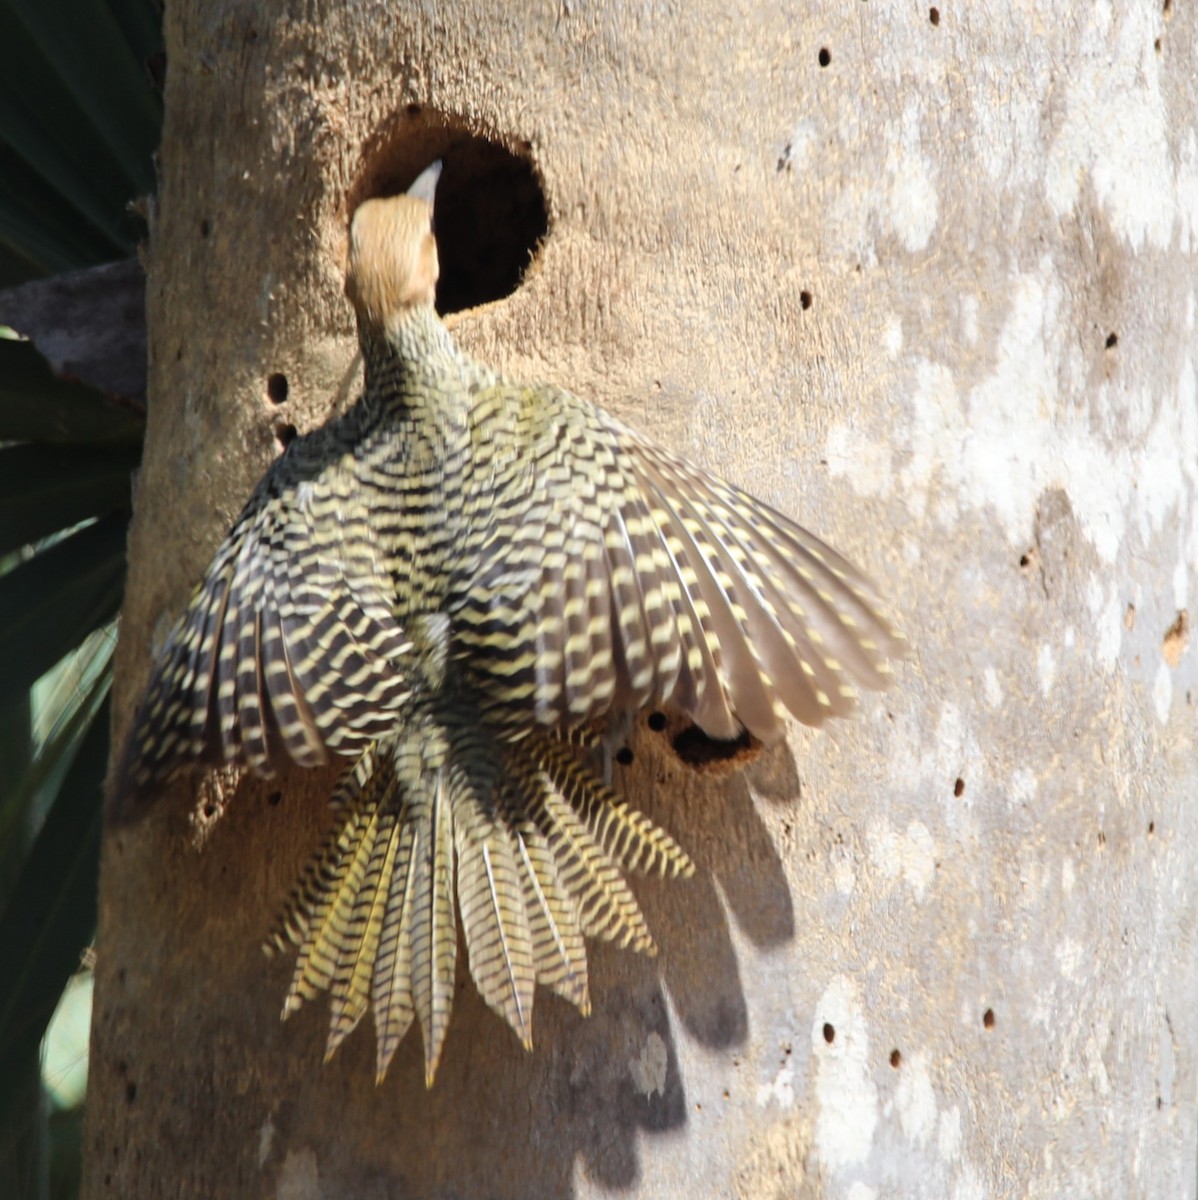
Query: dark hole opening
x=825, y=56
x=657, y=721
x=698, y=750
x=829, y=1033
x=490, y=214
x=624, y=756
x=277, y=387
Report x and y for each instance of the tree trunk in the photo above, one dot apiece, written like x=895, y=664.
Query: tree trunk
x=922, y=278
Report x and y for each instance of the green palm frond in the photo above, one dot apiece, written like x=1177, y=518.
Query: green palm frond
x=79, y=124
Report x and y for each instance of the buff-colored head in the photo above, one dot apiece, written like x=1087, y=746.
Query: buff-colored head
x=393, y=264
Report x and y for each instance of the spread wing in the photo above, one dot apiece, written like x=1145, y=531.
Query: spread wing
x=288, y=648
x=616, y=575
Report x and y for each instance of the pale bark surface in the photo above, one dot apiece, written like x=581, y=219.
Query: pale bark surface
x=973, y=207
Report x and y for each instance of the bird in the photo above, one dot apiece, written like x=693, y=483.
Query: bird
x=458, y=589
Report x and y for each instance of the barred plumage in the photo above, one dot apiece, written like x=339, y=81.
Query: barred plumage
x=456, y=586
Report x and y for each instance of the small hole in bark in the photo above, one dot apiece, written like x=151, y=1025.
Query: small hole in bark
x=624, y=756
x=825, y=56
x=657, y=721
x=1112, y=340
x=934, y=15
x=277, y=387
x=829, y=1033
x=130, y=1092
x=285, y=435
x=896, y=1059
x=1151, y=827
x=1157, y=45
x=274, y=799
x=988, y=1018
x=805, y=299
x=209, y=810
x=490, y=209
x=959, y=788
x=205, y=227
x=1025, y=560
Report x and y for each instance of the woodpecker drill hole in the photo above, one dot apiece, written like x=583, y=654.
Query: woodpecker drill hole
x=704, y=753
x=1112, y=340
x=959, y=788
x=490, y=214
x=934, y=15
x=624, y=756
x=825, y=56
x=829, y=1033
x=988, y=1018
x=805, y=299
x=657, y=721
x=277, y=387
x=896, y=1059
x=285, y=435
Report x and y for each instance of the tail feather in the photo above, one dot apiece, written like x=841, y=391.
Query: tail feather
x=448, y=819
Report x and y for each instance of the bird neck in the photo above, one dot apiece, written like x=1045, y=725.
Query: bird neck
x=410, y=358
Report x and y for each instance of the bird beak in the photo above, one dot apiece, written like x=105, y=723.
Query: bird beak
x=425, y=187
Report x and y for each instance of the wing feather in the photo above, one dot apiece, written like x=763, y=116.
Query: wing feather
x=694, y=592
x=288, y=648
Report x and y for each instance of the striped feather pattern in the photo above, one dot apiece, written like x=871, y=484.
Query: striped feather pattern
x=654, y=583
x=457, y=586
x=453, y=819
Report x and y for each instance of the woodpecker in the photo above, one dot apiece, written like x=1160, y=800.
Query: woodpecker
x=455, y=588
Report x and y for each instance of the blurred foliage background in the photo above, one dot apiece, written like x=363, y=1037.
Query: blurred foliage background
x=80, y=115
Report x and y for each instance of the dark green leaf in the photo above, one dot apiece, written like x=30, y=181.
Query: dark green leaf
x=100, y=207
x=16, y=265
x=28, y=784
x=36, y=407
x=141, y=24
x=44, y=489
x=51, y=914
x=66, y=1153
x=52, y=601
x=92, y=65
x=39, y=223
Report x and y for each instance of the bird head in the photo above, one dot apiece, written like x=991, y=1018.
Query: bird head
x=393, y=265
